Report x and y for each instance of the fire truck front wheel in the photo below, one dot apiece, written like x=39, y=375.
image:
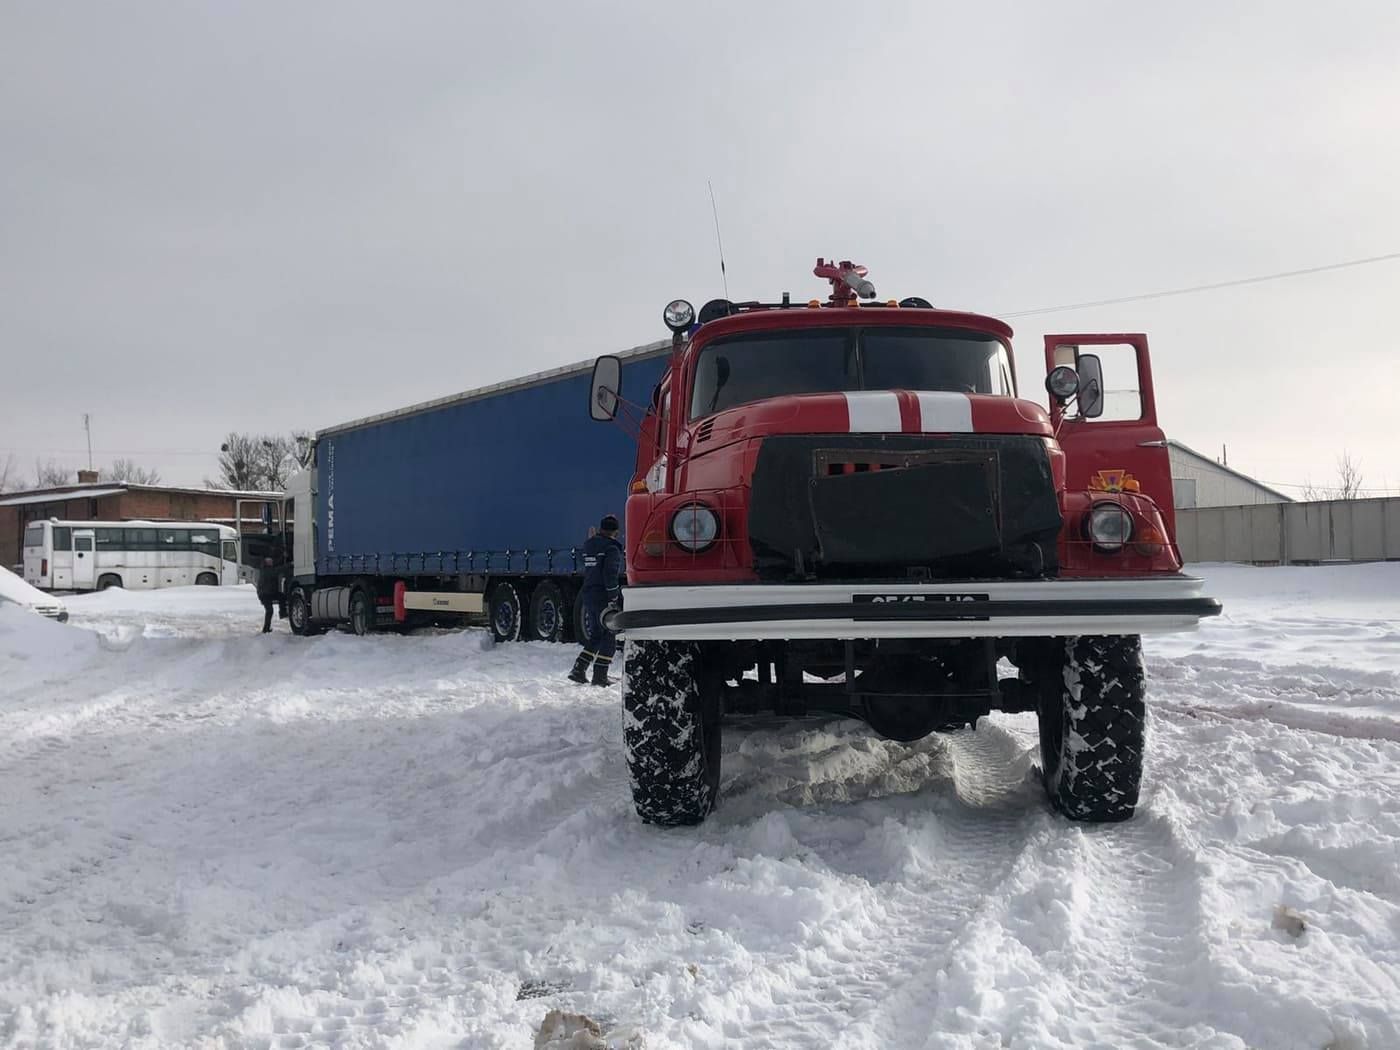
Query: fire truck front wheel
x=1091, y=714
x=671, y=731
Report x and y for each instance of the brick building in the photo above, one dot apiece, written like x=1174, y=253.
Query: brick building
x=93, y=500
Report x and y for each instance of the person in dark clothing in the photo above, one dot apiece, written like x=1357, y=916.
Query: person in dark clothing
x=602, y=587
x=269, y=591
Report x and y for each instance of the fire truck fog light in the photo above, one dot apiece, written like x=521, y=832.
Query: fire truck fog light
x=695, y=527
x=654, y=544
x=678, y=315
x=1109, y=526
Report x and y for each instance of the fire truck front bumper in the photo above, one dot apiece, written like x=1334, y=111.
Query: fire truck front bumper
x=959, y=609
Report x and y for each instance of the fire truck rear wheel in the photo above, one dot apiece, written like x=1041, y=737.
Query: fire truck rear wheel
x=1092, y=726
x=671, y=732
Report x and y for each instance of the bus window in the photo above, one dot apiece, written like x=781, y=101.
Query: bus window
x=34, y=535
x=62, y=538
x=110, y=539
x=230, y=550
x=206, y=541
x=141, y=539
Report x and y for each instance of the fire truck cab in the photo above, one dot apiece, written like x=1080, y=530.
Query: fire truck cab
x=845, y=506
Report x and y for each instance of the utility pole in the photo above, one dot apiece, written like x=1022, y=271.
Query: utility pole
x=87, y=427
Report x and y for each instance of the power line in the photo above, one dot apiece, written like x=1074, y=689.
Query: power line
x=113, y=451
x=1260, y=279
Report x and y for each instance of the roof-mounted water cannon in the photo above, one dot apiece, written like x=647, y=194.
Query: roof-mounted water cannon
x=847, y=281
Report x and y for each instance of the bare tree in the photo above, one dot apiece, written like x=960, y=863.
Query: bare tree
x=52, y=475
x=1348, y=478
x=260, y=462
x=9, y=476
x=127, y=470
x=1348, y=482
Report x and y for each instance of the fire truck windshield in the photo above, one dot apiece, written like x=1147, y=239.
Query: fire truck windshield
x=741, y=369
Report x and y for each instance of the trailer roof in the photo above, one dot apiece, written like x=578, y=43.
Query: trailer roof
x=537, y=379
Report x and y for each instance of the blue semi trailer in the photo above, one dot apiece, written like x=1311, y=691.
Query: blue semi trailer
x=478, y=502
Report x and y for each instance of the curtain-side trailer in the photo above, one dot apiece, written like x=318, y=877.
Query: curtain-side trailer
x=478, y=502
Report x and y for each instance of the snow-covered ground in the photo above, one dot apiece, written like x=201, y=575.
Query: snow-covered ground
x=213, y=837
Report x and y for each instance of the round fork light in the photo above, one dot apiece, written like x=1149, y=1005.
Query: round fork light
x=1110, y=526
x=695, y=527
x=678, y=315
x=1062, y=382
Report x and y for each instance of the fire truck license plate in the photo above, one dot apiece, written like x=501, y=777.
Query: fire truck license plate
x=867, y=604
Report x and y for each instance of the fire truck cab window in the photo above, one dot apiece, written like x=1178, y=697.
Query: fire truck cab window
x=924, y=359
x=743, y=369
x=751, y=368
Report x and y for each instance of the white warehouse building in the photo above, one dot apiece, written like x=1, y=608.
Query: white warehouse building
x=1199, y=481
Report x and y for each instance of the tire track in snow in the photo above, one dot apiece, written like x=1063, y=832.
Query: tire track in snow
x=938, y=861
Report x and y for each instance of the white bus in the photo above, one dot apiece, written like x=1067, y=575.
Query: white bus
x=95, y=555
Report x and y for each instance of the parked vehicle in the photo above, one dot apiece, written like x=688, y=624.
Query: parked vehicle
x=849, y=508
x=14, y=591
x=137, y=555
x=477, y=502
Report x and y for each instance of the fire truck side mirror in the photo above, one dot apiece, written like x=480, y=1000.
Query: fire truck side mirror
x=1090, y=386
x=606, y=389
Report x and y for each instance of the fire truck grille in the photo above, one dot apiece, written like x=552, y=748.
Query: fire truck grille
x=903, y=506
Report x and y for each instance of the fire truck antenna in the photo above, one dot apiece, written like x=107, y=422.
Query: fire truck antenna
x=714, y=209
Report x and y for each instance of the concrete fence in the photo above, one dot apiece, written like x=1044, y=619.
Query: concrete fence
x=1290, y=533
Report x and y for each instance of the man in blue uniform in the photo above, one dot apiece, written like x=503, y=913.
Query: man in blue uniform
x=602, y=586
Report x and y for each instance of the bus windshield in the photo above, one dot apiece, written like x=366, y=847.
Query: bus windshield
x=746, y=368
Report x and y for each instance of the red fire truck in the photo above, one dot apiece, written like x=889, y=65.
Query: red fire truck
x=845, y=506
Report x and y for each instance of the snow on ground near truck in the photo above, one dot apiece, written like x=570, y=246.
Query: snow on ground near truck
x=213, y=837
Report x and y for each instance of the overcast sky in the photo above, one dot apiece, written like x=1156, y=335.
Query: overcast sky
x=271, y=216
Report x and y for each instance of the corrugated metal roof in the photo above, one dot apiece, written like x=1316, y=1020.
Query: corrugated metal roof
x=646, y=350
x=1173, y=444
x=59, y=496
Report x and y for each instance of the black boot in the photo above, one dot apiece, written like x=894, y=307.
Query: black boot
x=580, y=672
x=600, y=671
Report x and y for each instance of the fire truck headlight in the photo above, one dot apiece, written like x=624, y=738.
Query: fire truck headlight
x=1062, y=383
x=1110, y=526
x=695, y=527
x=678, y=315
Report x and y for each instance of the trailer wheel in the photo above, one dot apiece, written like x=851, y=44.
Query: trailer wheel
x=361, y=612
x=671, y=732
x=549, y=613
x=569, y=619
x=299, y=612
x=207, y=579
x=505, y=612
x=578, y=618
x=1091, y=714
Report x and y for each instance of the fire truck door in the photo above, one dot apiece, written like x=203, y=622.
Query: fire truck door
x=1110, y=431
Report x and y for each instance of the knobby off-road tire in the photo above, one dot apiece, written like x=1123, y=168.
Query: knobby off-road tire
x=671, y=732
x=1091, y=715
